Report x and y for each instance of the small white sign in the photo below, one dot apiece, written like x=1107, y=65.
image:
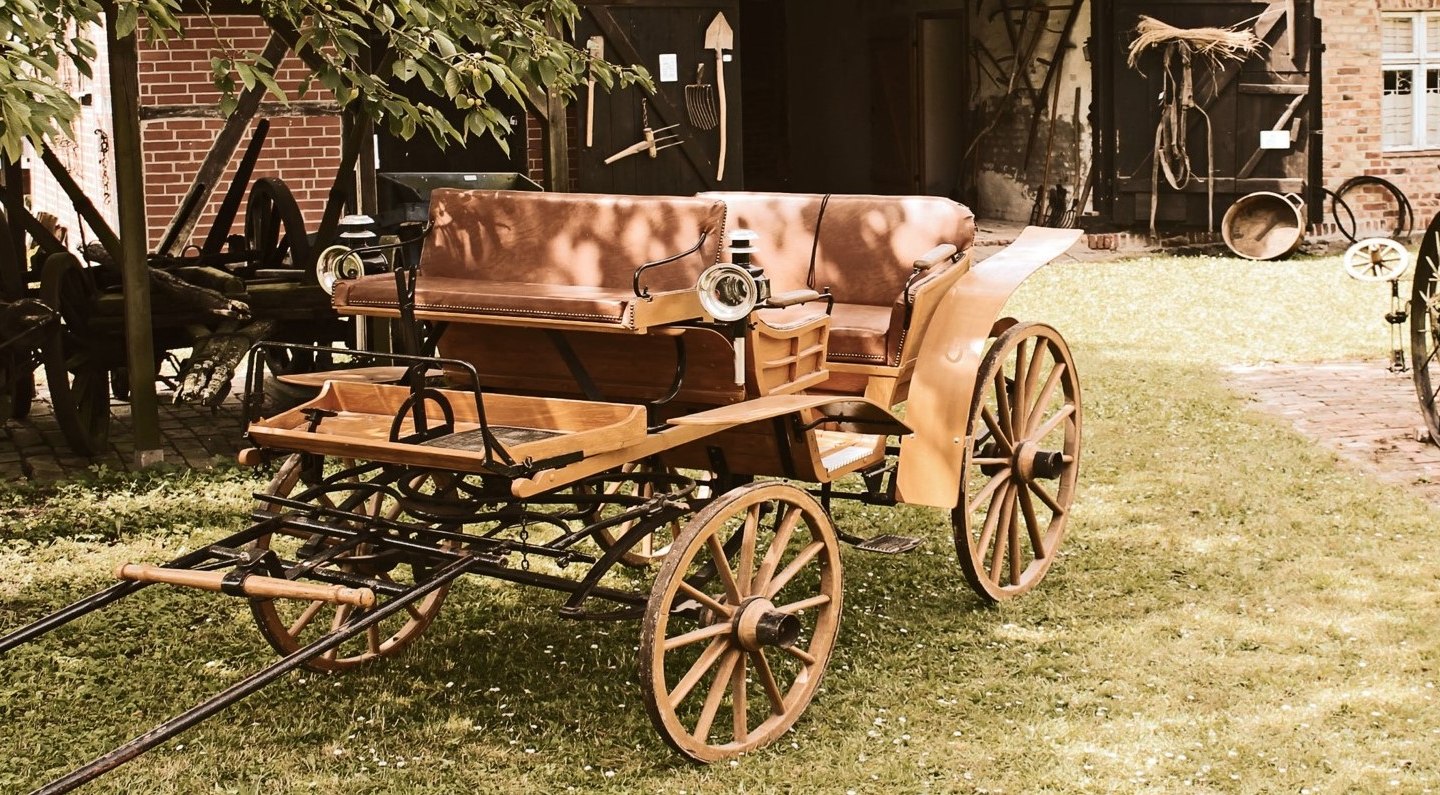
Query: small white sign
x=1274, y=139
x=669, y=68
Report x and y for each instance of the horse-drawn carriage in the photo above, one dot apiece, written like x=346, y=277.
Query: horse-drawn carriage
x=594, y=388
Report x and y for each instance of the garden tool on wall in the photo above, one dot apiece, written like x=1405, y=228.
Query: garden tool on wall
x=720, y=37
x=595, y=47
x=653, y=140
x=700, y=101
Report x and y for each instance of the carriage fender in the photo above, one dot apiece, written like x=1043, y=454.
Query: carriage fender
x=943, y=386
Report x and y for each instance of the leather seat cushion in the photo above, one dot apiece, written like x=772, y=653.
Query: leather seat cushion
x=862, y=334
x=468, y=296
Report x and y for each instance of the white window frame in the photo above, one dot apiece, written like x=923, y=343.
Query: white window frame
x=1417, y=62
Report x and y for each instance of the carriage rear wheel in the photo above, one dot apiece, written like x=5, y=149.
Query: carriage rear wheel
x=76, y=361
x=741, y=621
x=1425, y=327
x=290, y=624
x=1021, y=462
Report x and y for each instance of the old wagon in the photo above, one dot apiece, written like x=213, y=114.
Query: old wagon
x=611, y=388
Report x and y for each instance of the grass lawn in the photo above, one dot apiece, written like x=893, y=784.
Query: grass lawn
x=1234, y=611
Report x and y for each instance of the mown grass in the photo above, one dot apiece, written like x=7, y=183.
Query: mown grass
x=1235, y=611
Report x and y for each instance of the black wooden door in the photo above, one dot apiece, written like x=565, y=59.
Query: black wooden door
x=1265, y=92
x=641, y=33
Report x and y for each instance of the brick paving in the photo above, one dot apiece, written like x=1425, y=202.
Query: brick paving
x=1360, y=410
x=191, y=436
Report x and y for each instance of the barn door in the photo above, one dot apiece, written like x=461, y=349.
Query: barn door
x=894, y=160
x=1267, y=93
x=668, y=39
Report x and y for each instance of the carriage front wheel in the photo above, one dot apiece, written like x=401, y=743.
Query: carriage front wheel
x=741, y=621
x=1021, y=462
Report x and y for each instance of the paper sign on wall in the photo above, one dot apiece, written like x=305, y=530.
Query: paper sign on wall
x=669, y=68
x=1274, y=139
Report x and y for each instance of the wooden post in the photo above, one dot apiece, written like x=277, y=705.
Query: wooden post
x=135, y=276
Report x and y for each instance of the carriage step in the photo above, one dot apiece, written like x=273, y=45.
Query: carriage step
x=884, y=544
x=254, y=585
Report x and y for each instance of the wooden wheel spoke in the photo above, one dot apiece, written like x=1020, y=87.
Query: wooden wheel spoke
x=1032, y=524
x=722, y=567
x=1014, y=543
x=1045, y=497
x=414, y=611
x=766, y=674
x=1017, y=400
x=697, y=635
x=804, y=604
x=998, y=432
x=697, y=671
x=1046, y=393
x=706, y=599
x=801, y=560
x=997, y=557
x=342, y=614
x=784, y=529
x=1054, y=422
x=992, y=520
x=304, y=619
x=746, y=569
x=739, y=706
x=716, y=693
x=372, y=638
x=799, y=654
x=1002, y=405
x=1000, y=479
x=1032, y=379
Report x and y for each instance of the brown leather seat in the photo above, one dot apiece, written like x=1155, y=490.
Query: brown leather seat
x=552, y=256
x=865, y=253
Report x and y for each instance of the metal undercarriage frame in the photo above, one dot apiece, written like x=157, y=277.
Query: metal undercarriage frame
x=429, y=536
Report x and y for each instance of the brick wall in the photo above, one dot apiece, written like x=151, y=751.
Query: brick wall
x=304, y=151
x=1352, y=112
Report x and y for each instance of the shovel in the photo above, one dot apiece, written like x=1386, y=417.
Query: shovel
x=700, y=101
x=595, y=46
x=720, y=37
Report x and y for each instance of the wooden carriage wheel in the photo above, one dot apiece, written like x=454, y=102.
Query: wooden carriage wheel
x=741, y=621
x=275, y=228
x=290, y=624
x=1021, y=462
x=76, y=369
x=1425, y=327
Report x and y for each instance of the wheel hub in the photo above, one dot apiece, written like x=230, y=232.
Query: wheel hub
x=758, y=624
x=1031, y=463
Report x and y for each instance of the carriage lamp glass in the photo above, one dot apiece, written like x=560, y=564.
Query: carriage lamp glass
x=742, y=250
x=727, y=292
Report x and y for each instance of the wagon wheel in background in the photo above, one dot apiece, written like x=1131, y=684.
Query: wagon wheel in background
x=652, y=548
x=76, y=361
x=1425, y=327
x=274, y=227
x=741, y=621
x=290, y=624
x=1021, y=462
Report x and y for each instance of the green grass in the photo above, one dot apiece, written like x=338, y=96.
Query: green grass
x=1234, y=611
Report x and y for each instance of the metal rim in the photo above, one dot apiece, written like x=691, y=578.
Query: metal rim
x=1425, y=327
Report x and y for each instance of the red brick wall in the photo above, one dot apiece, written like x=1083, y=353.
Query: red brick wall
x=304, y=151
x=1352, y=110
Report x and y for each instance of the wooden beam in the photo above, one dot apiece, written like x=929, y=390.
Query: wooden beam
x=82, y=203
x=135, y=270
x=180, y=228
x=266, y=110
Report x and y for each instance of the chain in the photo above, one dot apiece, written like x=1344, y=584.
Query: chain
x=644, y=114
x=524, y=544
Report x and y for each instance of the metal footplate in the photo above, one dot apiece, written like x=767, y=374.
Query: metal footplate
x=885, y=544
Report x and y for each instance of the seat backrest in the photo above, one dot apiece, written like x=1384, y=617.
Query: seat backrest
x=570, y=238
x=867, y=244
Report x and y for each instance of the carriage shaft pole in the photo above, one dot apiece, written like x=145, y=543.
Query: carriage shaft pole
x=144, y=742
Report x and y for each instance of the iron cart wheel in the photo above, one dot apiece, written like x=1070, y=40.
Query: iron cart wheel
x=741, y=620
x=290, y=624
x=76, y=363
x=1425, y=326
x=1021, y=462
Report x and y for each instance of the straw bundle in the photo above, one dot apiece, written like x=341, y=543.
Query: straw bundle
x=1219, y=44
